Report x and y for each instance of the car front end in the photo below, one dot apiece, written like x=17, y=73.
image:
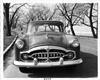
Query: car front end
x=47, y=48
x=47, y=55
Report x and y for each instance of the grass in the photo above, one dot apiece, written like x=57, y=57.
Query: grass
x=7, y=40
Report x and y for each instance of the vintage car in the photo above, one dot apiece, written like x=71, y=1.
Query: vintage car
x=46, y=44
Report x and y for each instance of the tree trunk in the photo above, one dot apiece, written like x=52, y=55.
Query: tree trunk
x=91, y=23
x=8, y=28
x=71, y=26
x=8, y=31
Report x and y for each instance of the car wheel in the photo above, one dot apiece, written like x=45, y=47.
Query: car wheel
x=24, y=70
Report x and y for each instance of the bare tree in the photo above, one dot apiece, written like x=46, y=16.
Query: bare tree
x=6, y=13
x=92, y=15
x=72, y=13
x=41, y=12
x=15, y=21
x=9, y=21
x=63, y=8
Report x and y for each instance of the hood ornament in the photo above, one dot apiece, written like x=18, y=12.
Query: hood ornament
x=49, y=37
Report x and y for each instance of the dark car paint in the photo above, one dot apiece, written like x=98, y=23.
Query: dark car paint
x=47, y=39
x=55, y=39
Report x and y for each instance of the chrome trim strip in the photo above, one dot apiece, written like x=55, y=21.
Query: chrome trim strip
x=47, y=64
x=45, y=47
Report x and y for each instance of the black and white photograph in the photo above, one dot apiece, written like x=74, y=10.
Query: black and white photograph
x=50, y=40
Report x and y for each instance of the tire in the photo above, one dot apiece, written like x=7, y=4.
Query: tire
x=24, y=70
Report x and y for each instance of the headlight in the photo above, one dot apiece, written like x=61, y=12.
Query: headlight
x=19, y=44
x=24, y=56
x=70, y=55
x=75, y=43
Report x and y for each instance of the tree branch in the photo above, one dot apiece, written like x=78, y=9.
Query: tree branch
x=78, y=17
x=15, y=13
x=52, y=14
x=95, y=21
x=86, y=15
x=66, y=12
x=73, y=10
x=88, y=25
x=62, y=13
x=76, y=21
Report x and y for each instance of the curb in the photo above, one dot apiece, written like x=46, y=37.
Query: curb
x=9, y=47
x=87, y=38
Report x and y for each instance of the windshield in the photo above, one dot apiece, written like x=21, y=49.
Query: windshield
x=43, y=28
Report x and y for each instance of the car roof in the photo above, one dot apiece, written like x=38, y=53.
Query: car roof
x=47, y=22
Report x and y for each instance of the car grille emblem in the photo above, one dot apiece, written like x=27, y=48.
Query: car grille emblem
x=48, y=60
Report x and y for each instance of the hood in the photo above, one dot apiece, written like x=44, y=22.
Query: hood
x=47, y=39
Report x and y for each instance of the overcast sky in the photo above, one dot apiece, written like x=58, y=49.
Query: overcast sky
x=78, y=29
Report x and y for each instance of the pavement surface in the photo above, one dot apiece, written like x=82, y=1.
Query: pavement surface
x=87, y=69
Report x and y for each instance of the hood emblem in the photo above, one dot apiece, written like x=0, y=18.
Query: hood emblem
x=49, y=37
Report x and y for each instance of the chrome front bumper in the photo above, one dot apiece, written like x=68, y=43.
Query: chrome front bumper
x=48, y=64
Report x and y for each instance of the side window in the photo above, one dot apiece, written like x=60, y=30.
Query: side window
x=56, y=29
x=40, y=28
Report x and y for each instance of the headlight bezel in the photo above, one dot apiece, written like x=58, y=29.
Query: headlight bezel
x=24, y=56
x=20, y=43
x=72, y=55
x=75, y=43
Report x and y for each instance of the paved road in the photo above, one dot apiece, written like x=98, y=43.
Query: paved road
x=85, y=70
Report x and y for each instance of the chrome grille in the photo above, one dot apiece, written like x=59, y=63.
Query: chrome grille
x=45, y=55
x=52, y=55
